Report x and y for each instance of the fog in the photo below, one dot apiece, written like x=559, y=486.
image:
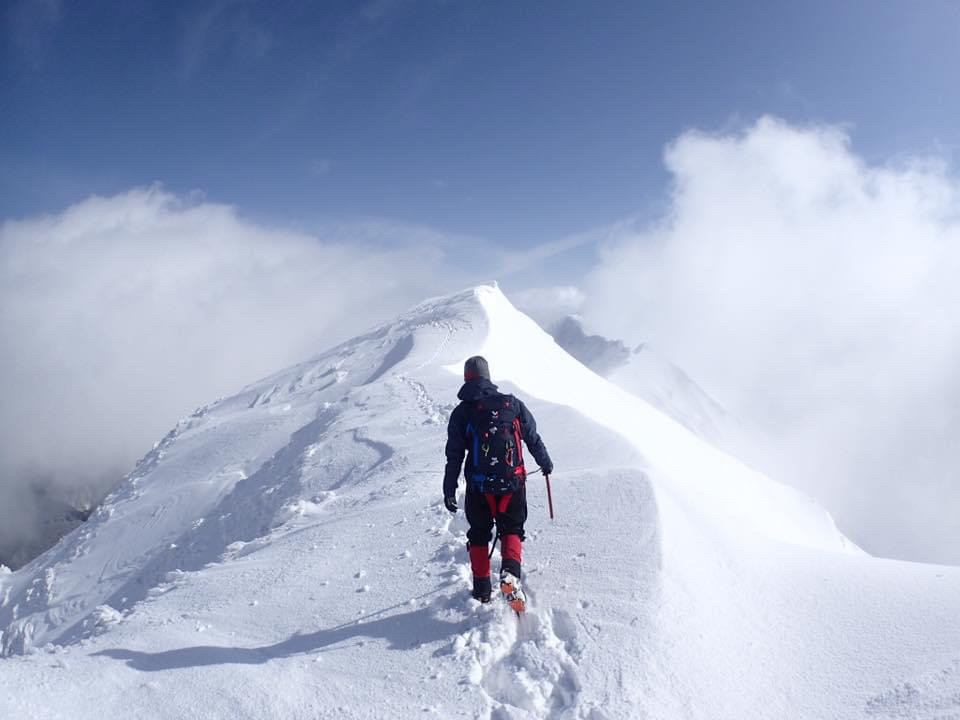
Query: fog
x=122, y=314
x=816, y=296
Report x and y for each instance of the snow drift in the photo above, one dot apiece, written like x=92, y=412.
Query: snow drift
x=284, y=553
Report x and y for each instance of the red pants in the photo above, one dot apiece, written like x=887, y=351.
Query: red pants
x=509, y=512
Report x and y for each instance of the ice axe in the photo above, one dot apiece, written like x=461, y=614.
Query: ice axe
x=549, y=491
x=549, y=495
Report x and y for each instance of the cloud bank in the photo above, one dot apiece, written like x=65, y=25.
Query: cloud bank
x=816, y=296
x=122, y=314
x=549, y=305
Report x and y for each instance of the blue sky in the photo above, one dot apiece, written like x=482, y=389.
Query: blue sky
x=512, y=122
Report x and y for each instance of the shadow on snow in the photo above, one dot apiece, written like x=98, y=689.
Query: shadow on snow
x=402, y=632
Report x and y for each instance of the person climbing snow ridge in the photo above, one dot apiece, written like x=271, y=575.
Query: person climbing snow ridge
x=488, y=427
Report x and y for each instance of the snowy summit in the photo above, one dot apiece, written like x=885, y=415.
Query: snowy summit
x=285, y=553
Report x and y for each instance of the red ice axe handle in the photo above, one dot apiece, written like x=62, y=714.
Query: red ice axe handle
x=549, y=495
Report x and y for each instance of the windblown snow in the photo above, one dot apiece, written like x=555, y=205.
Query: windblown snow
x=643, y=373
x=284, y=553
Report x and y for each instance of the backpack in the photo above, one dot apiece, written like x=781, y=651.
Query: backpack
x=494, y=439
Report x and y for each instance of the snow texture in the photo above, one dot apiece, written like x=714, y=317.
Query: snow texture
x=284, y=553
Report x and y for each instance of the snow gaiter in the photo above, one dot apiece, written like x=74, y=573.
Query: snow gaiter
x=511, y=552
x=479, y=561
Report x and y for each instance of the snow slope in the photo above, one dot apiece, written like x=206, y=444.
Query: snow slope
x=283, y=553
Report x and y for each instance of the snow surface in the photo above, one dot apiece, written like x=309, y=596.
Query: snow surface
x=284, y=553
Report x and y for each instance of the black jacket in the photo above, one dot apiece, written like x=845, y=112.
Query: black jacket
x=472, y=391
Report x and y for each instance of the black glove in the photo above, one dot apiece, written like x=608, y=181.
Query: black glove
x=548, y=469
x=450, y=503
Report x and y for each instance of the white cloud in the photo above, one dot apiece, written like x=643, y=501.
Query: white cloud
x=818, y=296
x=547, y=305
x=122, y=314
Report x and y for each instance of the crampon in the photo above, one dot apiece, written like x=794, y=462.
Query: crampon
x=512, y=592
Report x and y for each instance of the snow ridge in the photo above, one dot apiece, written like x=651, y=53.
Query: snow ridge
x=284, y=553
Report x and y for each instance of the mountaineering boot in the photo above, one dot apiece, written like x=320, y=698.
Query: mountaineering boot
x=481, y=589
x=512, y=592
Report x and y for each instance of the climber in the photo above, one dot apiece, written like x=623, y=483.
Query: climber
x=488, y=427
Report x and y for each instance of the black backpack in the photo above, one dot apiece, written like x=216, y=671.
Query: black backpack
x=495, y=444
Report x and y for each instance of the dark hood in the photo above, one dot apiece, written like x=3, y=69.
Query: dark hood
x=477, y=388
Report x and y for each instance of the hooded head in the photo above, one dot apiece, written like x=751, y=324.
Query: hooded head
x=476, y=367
